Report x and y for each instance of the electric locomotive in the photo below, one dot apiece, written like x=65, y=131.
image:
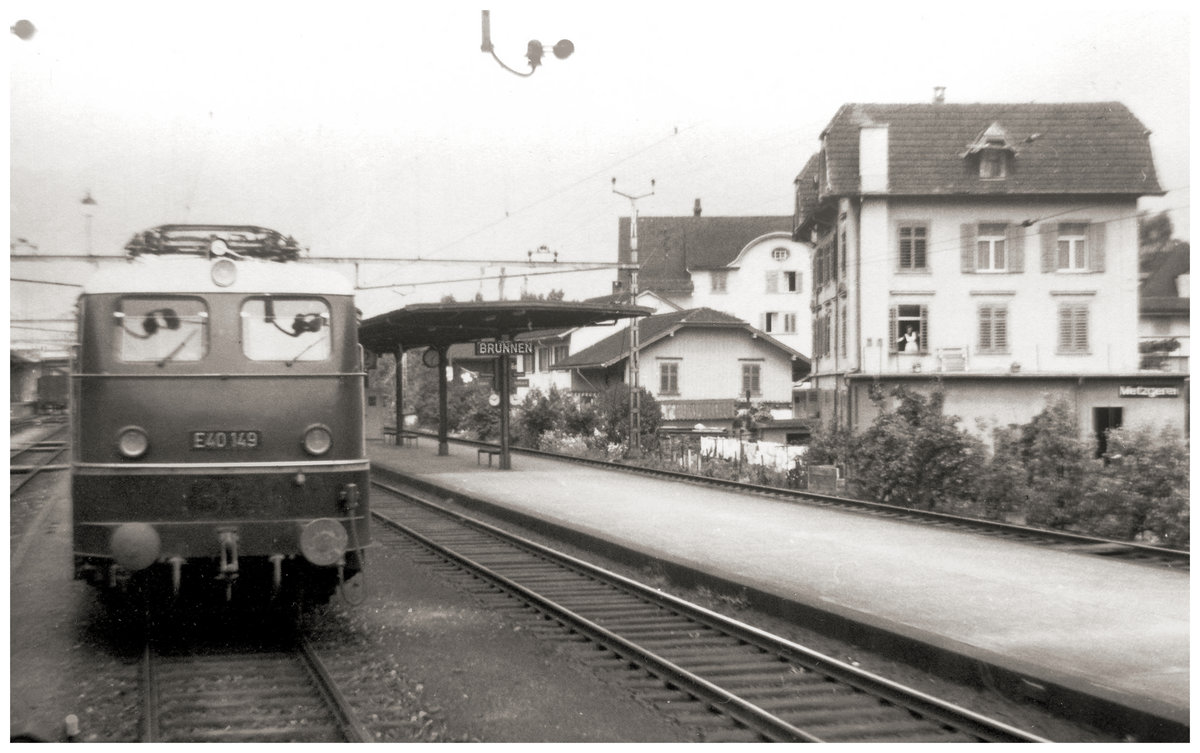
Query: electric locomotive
x=218, y=421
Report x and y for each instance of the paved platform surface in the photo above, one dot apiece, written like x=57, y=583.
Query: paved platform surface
x=1118, y=628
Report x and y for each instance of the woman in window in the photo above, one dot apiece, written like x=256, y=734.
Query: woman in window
x=909, y=342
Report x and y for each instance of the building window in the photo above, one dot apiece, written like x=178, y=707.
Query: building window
x=844, y=326
x=913, y=243
x=1073, y=328
x=559, y=353
x=775, y=321
x=751, y=379
x=1072, y=246
x=791, y=282
x=720, y=279
x=780, y=254
x=668, y=378
x=990, y=256
x=993, y=164
x=909, y=325
x=993, y=329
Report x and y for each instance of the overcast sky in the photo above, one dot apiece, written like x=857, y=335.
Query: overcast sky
x=381, y=128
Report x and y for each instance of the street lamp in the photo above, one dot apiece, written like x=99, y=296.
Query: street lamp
x=23, y=29
x=88, y=202
x=533, y=51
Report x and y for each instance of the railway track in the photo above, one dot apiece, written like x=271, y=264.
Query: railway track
x=261, y=694
x=29, y=458
x=1063, y=540
x=733, y=681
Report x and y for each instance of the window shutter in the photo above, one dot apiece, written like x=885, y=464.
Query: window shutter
x=1065, y=327
x=892, y=334
x=970, y=241
x=1081, y=329
x=772, y=282
x=1095, y=249
x=1016, y=248
x=924, y=329
x=1000, y=328
x=1049, y=233
x=985, y=328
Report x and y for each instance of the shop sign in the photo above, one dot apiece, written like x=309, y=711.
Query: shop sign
x=1142, y=390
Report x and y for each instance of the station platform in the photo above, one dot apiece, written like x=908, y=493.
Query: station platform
x=1064, y=629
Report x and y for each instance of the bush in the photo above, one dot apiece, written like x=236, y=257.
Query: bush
x=1144, y=486
x=915, y=456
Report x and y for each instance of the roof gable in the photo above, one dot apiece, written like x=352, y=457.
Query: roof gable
x=615, y=347
x=669, y=247
x=1065, y=148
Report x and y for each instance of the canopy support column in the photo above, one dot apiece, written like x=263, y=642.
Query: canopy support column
x=504, y=387
x=443, y=411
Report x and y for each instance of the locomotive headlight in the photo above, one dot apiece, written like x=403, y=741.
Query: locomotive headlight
x=132, y=442
x=224, y=273
x=317, y=440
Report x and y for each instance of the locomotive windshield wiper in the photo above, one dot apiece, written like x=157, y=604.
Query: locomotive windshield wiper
x=177, y=348
x=307, y=348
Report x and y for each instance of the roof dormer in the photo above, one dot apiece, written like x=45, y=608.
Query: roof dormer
x=992, y=152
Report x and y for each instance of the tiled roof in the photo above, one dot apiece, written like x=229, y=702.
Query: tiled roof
x=615, y=347
x=1066, y=148
x=698, y=410
x=670, y=247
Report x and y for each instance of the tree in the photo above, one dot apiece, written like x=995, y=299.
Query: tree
x=613, y=409
x=553, y=295
x=1155, y=232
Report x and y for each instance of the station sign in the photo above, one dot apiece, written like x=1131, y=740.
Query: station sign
x=1142, y=390
x=503, y=348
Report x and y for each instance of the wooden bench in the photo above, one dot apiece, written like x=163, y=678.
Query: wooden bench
x=491, y=452
x=391, y=436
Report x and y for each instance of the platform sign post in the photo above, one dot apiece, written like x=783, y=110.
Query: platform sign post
x=503, y=349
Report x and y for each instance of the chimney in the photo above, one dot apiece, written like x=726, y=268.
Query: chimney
x=939, y=95
x=696, y=208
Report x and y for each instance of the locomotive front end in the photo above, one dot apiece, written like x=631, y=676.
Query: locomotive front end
x=219, y=432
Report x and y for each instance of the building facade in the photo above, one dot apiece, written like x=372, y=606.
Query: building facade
x=987, y=250
x=698, y=363
x=749, y=267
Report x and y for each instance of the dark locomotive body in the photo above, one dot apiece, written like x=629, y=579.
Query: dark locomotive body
x=219, y=423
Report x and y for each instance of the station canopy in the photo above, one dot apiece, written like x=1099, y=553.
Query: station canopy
x=441, y=325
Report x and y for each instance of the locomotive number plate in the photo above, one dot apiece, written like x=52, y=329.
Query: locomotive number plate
x=226, y=440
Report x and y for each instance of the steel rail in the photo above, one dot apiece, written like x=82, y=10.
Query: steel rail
x=938, y=712
x=317, y=686
x=347, y=720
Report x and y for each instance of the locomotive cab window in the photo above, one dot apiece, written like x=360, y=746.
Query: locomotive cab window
x=161, y=330
x=285, y=329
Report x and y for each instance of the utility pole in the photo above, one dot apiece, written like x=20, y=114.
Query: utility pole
x=635, y=396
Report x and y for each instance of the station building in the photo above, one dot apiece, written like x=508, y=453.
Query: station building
x=989, y=250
